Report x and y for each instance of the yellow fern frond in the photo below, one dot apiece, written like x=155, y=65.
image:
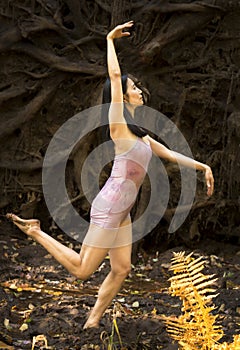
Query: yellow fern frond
x=235, y=345
x=196, y=328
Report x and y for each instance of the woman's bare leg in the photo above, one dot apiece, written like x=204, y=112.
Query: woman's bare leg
x=120, y=259
x=80, y=265
x=84, y=264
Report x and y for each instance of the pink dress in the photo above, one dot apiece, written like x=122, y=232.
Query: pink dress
x=115, y=200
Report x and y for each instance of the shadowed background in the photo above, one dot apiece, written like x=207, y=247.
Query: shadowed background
x=53, y=65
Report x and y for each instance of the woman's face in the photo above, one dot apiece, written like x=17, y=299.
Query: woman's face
x=133, y=94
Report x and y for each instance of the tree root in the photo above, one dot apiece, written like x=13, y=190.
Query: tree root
x=12, y=92
x=202, y=204
x=27, y=113
x=165, y=6
x=59, y=63
x=178, y=28
x=24, y=166
x=9, y=38
x=36, y=23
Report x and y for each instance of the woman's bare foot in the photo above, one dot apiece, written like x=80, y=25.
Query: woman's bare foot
x=90, y=322
x=27, y=226
x=92, y=325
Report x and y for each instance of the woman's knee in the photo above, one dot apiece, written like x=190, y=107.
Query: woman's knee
x=122, y=270
x=80, y=274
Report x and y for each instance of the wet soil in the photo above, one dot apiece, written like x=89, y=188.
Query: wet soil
x=40, y=301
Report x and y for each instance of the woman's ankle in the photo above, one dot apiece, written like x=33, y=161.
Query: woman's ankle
x=91, y=324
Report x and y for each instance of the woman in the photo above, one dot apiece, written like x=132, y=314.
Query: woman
x=110, y=227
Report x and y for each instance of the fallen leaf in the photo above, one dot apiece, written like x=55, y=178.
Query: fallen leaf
x=7, y=324
x=135, y=304
x=154, y=311
x=121, y=300
x=39, y=338
x=23, y=327
x=5, y=346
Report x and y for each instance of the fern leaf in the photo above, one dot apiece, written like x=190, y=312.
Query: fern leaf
x=198, y=282
x=196, y=328
x=235, y=345
x=195, y=262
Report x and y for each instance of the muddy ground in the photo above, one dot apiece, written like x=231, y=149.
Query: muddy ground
x=38, y=297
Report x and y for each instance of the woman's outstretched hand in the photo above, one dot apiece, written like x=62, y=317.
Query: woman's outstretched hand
x=209, y=181
x=120, y=31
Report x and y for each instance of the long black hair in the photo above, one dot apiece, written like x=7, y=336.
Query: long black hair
x=106, y=100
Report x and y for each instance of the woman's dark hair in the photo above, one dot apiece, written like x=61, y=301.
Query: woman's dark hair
x=106, y=100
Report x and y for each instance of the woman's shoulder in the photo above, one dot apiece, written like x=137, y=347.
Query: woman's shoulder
x=146, y=139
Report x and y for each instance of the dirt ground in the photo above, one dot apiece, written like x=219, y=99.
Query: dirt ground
x=38, y=297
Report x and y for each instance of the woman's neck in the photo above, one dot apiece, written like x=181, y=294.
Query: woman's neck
x=130, y=108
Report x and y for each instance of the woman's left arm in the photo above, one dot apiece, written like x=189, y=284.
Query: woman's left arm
x=175, y=157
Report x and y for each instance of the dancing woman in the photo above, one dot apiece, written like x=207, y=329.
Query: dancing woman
x=110, y=225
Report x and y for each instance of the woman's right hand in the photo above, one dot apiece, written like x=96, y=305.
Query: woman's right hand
x=118, y=31
x=209, y=181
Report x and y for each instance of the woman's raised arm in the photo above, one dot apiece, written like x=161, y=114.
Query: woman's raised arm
x=117, y=121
